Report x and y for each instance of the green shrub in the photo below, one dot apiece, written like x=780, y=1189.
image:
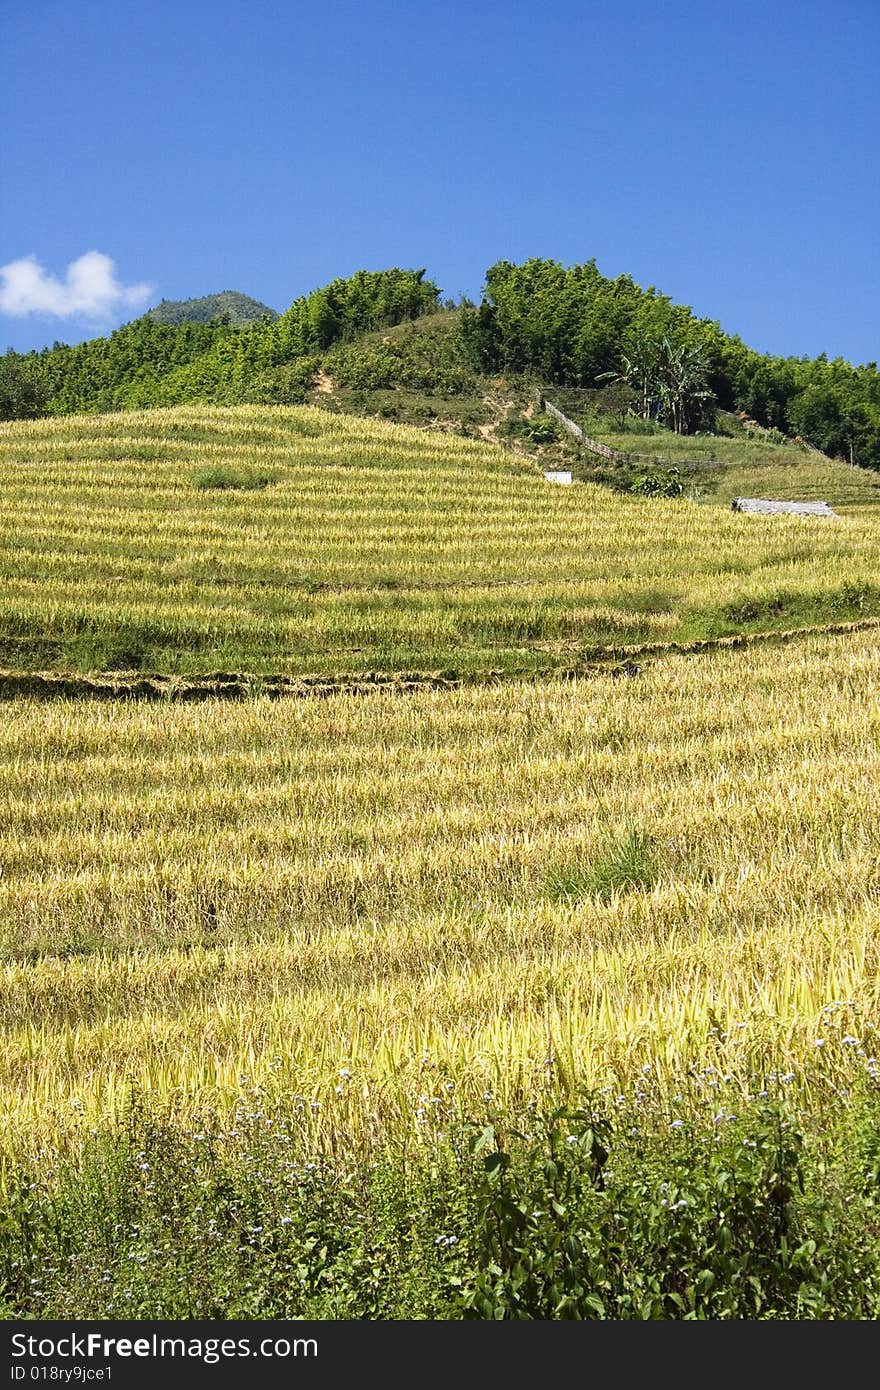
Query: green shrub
x=663, y=482
x=541, y=429
x=709, y=1205
x=691, y=1221
x=231, y=479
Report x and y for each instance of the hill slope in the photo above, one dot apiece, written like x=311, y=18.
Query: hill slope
x=238, y=308
x=292, y=540
x=634, y=351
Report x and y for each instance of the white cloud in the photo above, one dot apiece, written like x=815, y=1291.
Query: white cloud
x=90, y=289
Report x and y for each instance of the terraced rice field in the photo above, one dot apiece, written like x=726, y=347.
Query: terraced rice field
x=267, y=964
x=457, y=884
x=291, y=541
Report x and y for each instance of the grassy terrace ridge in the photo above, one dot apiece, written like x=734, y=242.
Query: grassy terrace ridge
x=739, y=460
x=295, y=542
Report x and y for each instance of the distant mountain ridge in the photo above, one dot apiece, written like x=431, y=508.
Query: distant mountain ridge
x=240, y=308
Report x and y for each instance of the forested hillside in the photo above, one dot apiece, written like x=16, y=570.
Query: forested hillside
x=147, y=363
x=575, y=327
x=642, y=355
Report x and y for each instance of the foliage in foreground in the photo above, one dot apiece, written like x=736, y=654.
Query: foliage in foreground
x=621, y=1208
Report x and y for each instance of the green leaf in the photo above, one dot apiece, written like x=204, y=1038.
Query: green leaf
x=486, y=1137
x=496, y=1162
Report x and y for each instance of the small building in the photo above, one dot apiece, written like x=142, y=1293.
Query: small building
x=765, y=507
x=558, y=475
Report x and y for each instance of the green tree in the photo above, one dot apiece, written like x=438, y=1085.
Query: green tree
x=22, y=394
x=682, y=380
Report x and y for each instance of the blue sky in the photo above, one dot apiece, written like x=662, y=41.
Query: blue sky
x=727, y=154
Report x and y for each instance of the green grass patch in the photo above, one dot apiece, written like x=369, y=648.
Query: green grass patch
x=231, y=479
x=629, y=863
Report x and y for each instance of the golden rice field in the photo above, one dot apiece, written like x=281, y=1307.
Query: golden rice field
x=381, y=895
x=284, y=540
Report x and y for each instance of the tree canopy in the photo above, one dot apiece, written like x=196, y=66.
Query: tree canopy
x=575, y=327
x=560, y=325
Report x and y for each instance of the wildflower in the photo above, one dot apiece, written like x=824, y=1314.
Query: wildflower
x=849, y=1041
x=571, y=1139
x=677, y=1124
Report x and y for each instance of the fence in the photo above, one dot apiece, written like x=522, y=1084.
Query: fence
x=595, y=446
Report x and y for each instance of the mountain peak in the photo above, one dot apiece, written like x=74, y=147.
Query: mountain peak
x=241, y=309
